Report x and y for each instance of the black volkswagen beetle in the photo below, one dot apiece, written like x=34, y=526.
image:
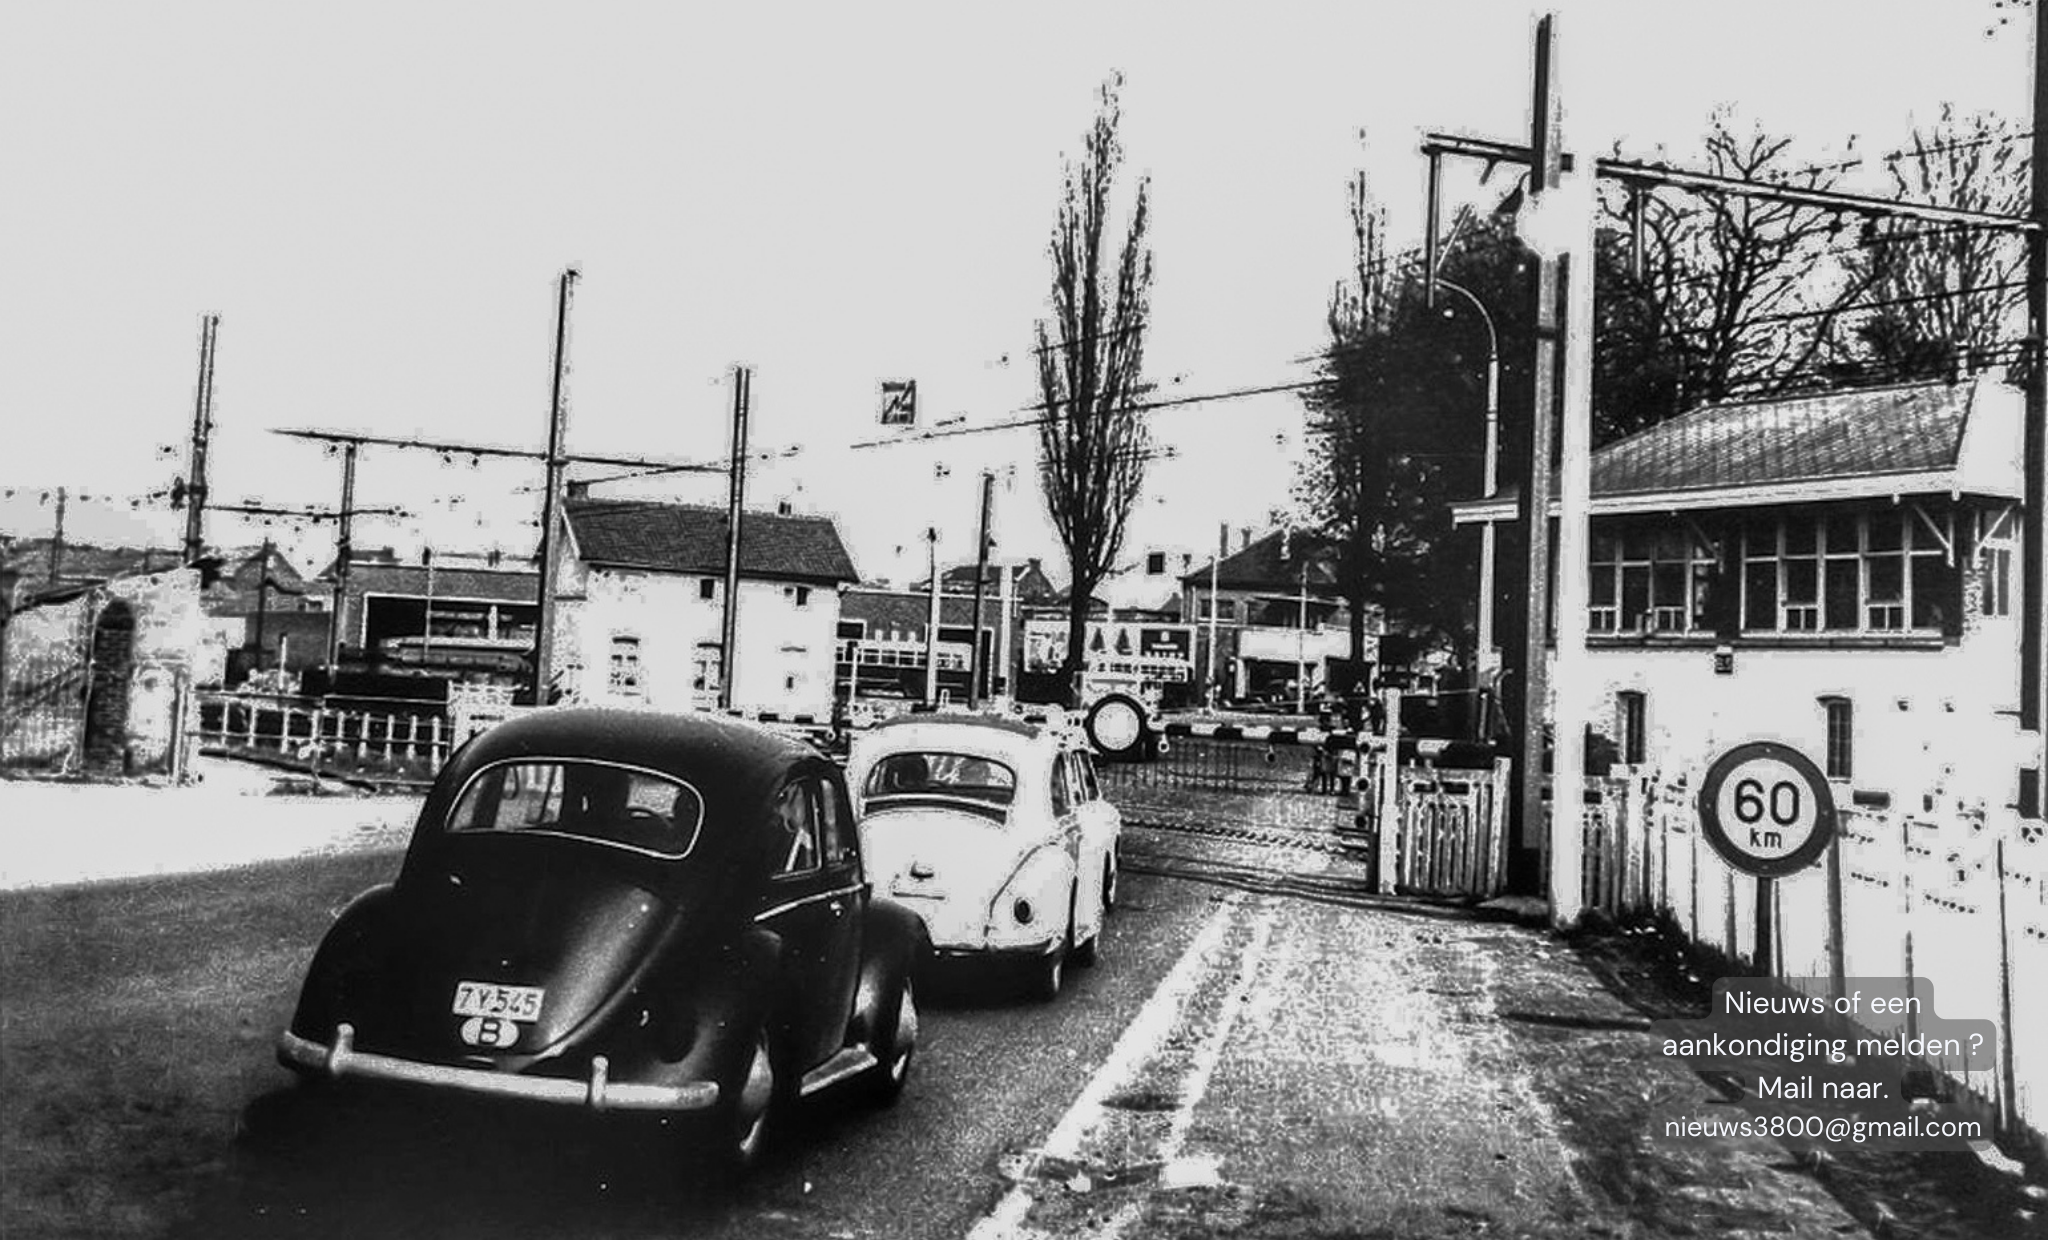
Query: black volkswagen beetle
x=622, y=910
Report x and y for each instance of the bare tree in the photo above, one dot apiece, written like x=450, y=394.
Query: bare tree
x=1092, y=439
x=1730, y=295
x=1946, y=296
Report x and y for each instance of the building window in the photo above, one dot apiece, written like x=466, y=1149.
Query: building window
x=1841, y=735
x=1648, y=580
x=1629, y=706
x=625, y=669
x=1155, y=563
x=707, y=667
x=803, y=596
x=1882, y=572
x=1994, y=563
x=707, y=588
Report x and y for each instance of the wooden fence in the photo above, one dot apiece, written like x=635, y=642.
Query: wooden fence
x=392, y=740
x=1954, y=894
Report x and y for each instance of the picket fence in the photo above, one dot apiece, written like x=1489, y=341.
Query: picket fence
x=1954, y=894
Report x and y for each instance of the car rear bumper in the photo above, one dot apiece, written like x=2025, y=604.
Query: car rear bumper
x=341, y=1061
x=944, y=953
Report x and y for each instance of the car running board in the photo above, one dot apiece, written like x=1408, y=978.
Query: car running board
x=850, y=1061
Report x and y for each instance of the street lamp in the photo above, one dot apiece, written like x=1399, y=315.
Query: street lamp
x=1488, y=652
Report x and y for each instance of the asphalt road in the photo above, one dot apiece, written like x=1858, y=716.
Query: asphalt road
x=993, y=1076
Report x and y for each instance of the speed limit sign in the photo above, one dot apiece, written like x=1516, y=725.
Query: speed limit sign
x=1767, y=809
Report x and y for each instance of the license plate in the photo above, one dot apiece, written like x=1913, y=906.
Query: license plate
x=489, y=999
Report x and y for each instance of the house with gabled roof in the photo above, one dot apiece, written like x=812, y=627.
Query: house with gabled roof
x=1837, y=571
x=640, y=607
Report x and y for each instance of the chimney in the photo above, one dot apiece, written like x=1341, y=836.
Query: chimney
x=784, y=508
x=1244, y=537
x=579, y=489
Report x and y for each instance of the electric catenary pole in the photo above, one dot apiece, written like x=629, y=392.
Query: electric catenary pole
x=976, y=664
x=729, y=633
x=193, y=492
x=344, y=551
x=551, y=502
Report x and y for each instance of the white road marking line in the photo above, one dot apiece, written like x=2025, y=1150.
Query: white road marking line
x=1207, y=1056
x=1142, y=1040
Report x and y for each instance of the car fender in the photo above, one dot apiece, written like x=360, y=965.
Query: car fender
x=357, y=941
x=1045, y=877
x=729, y=1001
x=893, y=941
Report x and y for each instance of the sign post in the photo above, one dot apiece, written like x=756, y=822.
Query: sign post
x=1768, y=811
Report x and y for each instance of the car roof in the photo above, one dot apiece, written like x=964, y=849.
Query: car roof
x=984, y=732
x=733, y=764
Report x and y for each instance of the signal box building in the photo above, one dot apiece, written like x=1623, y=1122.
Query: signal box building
x=1839, y=572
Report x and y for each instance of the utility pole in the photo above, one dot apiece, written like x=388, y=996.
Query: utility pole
x=202, y=428
x=344, y=551
x=729, y=636
x=1529, y=861
x=57, y=539
x=262, y=600
x=1215, y=567
x=1575, y=503
x=2033, y=687
x=1301, y=647
x=427, y=623
x=931, y=628
x=551, y=502
x=1006, y=599
x=976, y=665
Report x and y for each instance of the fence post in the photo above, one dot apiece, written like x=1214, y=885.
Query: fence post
x=435, y=756
x=2008, y=1081
x=1838, y=959
x=412, y=738
x=1390, y=796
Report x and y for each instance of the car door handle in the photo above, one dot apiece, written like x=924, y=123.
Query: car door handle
x=838, y=908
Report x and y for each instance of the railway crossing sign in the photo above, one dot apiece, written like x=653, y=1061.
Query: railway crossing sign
x=1767, y=809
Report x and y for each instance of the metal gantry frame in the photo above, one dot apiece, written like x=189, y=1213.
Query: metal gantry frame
x=1559, y=849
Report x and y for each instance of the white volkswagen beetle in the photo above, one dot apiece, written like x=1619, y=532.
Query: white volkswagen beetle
x=994, y=830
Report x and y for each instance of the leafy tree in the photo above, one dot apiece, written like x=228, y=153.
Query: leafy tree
x=1092, y=440
x=1396, y=425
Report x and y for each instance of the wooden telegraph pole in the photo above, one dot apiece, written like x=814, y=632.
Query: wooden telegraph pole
x=551, y=502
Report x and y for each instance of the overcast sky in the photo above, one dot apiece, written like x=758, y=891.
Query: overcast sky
x=377, y=200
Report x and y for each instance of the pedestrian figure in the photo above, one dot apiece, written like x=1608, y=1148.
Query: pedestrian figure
x=1319, y=770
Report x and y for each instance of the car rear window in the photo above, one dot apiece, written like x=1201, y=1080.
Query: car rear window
x=589, y=800
x=942, y=774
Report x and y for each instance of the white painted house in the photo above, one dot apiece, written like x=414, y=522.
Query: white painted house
x=1839, y=572
x=640, y=608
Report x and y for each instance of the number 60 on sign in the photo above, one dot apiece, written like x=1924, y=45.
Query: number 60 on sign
x=1767, y=809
